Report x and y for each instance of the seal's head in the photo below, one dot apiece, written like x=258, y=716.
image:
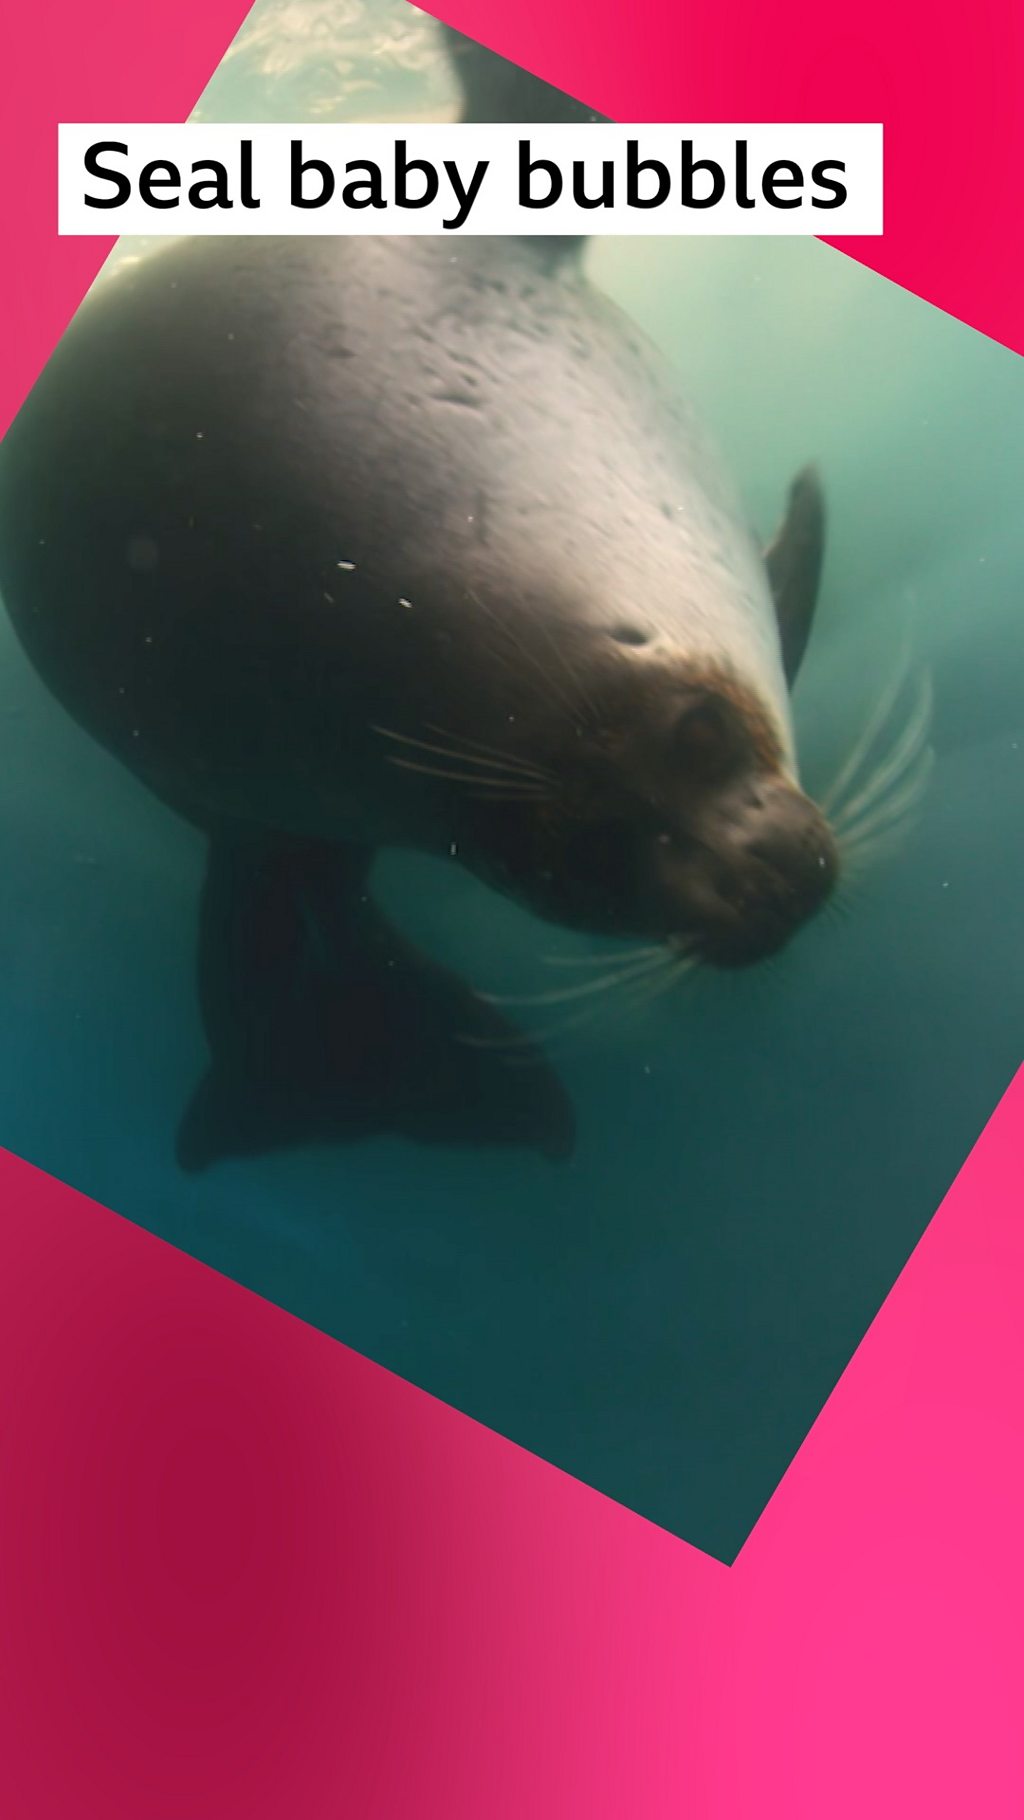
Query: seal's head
x=671, y=813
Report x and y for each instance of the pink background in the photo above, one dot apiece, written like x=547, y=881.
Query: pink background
x=247, y=1573
x=945, y=81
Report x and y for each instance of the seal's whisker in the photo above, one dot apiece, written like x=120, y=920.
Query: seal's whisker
x=668, y=971
x=895, y=803
x=895, y=811
x=465, y=758
x=647, y=991
x=510, y=796
x=477, y=783
x=608, y=982
x=840, y=907
x=518, y=1040
x=896, y=763
x=890, y=819
x=861, y=861
x=594, y=1010
x=522, y=771
x=832, y=800
x=904, y=774
x=629, y=994
x=890, y=812
x=883, y=836
x=511, y=760
x=602, y=960
x=597, y=995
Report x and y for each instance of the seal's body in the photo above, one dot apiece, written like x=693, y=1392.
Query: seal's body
x=363, y=473
x=339, y=544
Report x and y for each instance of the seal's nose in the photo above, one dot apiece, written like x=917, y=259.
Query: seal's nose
x=785, y=831
x=772, y=864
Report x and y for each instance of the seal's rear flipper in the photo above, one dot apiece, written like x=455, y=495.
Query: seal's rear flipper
x=495, y=90
x=325, y=1025
x=794, y=561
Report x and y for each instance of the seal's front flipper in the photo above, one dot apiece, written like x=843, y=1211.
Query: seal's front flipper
x=325, y=1025
x=794, y=561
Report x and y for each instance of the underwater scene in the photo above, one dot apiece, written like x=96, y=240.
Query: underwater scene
x=758, y=1149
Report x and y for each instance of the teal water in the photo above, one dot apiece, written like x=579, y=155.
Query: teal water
x=757, y=1155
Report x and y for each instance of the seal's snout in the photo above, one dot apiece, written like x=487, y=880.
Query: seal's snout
x=768, y=863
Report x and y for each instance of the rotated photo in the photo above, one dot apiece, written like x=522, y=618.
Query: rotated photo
x=511, y=786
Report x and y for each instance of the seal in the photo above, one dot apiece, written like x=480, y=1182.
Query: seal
x=341, y=545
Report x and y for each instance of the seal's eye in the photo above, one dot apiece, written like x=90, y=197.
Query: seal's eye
x=628, y=634
x=704, y=736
